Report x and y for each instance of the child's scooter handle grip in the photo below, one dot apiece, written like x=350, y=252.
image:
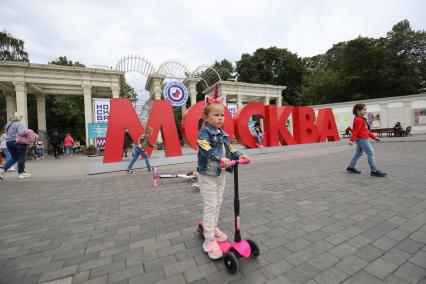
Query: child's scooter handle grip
x=233, y=162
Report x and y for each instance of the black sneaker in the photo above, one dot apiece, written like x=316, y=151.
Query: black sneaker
x=352, y=170
x=150, y=169
x=378, y=174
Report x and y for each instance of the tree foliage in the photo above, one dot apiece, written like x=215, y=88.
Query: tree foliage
x=362, y=68
x=128, y=92
x=63, y=60
x=366, y=68
x=11, y=48
x=65, y=114
x=275, y=66
x=224, y=68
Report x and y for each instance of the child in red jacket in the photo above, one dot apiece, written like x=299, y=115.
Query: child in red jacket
x=68, y=144
x=360, y=135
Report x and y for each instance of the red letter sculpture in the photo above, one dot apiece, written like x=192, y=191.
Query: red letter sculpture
x=122, y=115
x=242, y=117
x=327, y=126
x=276, y=126
x=304, y=130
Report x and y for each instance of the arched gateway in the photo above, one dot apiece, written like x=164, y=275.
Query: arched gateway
x=18, y=79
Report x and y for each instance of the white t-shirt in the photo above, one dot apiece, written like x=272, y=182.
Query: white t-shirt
x=3, y=140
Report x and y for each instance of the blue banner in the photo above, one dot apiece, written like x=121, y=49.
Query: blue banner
x=97, y=130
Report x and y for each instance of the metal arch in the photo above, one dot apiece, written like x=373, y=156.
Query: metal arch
x=173, y=69
x=135, y=63
x=207, y=74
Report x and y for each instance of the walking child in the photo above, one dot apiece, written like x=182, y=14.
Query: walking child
x=213, y=147
x=360, y=135
x=139, y=149
x=69, y=144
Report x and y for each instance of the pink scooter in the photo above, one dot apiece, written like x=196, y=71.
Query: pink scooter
x=192, y=177
x=238, y=248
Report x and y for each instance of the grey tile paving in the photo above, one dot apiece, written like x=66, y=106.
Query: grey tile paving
x=313, y=224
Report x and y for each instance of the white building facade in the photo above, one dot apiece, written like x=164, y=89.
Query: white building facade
x=18, y=79
x=384, y=112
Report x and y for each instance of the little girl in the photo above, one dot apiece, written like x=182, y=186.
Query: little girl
x=139, y=149
x=39, y=149
x=258, y=133
x=360, y=135
x=213, y=147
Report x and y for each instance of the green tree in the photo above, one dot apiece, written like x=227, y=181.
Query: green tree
x=128, y=92
x=275, y=66
x=65, y=113
x=62, y=60
x=409, y=50
x=224, y=68
x=12, y=49
x=365, y=68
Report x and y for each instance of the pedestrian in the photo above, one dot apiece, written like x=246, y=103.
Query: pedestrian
x=69, y=145
x=55, y=141
x=139, y=149
x=258, y=134
x=39, y=149
x=15, y=128
x=213, y=147
x=360, y=135
x=5, y=151
x=127, y=142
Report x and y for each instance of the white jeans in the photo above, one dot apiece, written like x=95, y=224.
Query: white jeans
x=211, y=189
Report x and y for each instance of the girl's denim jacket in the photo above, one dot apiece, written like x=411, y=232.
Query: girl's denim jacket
x=211, y=144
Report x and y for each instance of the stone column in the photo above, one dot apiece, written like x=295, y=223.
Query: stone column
x=115, y=92
x=87, y=92
x=266, y=100
x=154, y=86
x=279, y=102
x=41, y=112
x=183, y=107
x=21, y=101
x=239, y=101
x=191, y=84
x=10, y=104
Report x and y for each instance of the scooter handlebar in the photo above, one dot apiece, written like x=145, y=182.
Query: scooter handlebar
x=234, y=162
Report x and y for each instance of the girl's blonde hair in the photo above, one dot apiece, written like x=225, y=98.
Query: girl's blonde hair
x=148, y=130
x=15, y=117
x=207, y=108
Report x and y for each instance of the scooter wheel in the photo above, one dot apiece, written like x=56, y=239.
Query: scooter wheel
x=231, y=262
x=254, y=249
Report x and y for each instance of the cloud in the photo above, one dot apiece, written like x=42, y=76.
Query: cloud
x=195, y=32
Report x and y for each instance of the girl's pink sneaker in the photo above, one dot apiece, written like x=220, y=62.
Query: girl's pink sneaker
x=219, y=235
x=212, y=249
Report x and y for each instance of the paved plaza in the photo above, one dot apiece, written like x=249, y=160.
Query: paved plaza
x=314, y=223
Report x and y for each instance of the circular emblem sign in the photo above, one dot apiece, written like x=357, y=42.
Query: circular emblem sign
x=176, y=93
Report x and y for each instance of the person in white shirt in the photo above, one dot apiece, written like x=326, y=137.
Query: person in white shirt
x=4, y=149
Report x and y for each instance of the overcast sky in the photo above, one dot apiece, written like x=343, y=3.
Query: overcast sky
x=100, y=32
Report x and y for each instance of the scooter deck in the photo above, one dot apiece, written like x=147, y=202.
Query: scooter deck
x=242, y=247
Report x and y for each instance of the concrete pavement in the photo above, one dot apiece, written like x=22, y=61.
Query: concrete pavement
x=314, y=223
